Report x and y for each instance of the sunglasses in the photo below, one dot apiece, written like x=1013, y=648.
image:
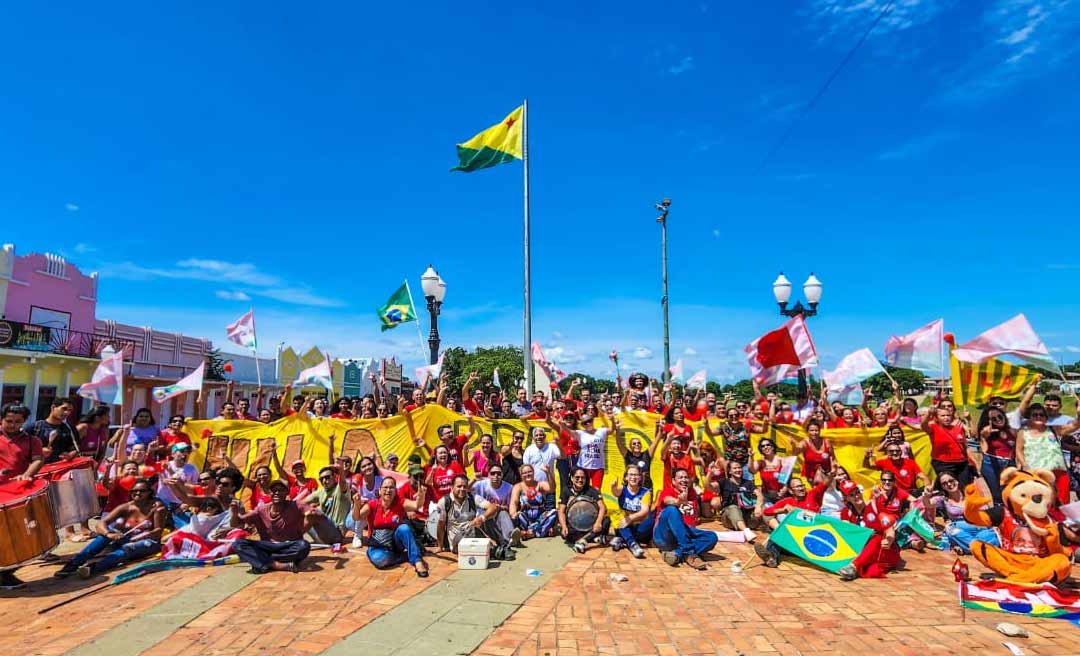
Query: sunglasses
x=208, y=479
x=140, y=490
x=326, y=478
x=1037, y=415
x=225, y=481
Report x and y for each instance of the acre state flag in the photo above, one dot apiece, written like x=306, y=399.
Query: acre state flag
x=779, y=354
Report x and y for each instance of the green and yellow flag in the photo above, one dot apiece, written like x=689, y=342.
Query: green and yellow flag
x=824, y=541
x=398, y=309
x=498, y=144
x=974, y=384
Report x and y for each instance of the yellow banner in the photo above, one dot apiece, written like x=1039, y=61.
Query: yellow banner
x=248, y=444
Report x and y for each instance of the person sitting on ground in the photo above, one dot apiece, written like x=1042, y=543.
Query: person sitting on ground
x=768, y=467
x=832, y=501
x=676, y=534
x=580, y=491
x=738, y=508
x=959, y=533
x=493, y=493
x=177, y=470
x=532, y=505
x=895, y=435
x=328, y=507
x=129, y=532
x=800, y=499
x=635, y=501
x=280, y=524
x=882, y=552
x=259, y=485
x=460, y=517
x=390, y=537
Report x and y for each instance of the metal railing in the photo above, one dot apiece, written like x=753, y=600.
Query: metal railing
x=22, y=336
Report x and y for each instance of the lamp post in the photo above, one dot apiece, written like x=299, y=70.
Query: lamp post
x=812, y=291
x=434, y=291
x=663, y=206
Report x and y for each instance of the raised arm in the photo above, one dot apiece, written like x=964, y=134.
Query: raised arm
x=440, y=398
x=282, y=474
x=1029, y=394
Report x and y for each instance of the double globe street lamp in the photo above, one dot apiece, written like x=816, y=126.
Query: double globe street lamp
x=434, y=291
x=812, y=291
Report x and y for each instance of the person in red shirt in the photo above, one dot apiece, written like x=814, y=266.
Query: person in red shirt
x=441, y=473
x=676, y=533
x=948, y=445
x=676, y=455
x=882, y=553
x=800, y=498
x=174, y=433
x=906, y=470
x=817, y=453
x=21, y=456
x=390, y=537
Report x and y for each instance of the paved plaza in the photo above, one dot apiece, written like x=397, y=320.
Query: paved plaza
x=342, y=605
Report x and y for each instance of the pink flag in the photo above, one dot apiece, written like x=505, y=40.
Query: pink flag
x=434, y=369
x=107, y=383
x=553, y=373
x=920, y=350
x=1015, y=337
x=697, y=381
x=781, y=353
x=242, y=331
x=676, y=370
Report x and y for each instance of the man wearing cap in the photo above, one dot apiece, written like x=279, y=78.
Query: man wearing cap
x=280, y=525
x=409, y=492
x=328, y=507
x=177, y=471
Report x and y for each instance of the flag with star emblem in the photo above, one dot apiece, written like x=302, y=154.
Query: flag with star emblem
x=496, y=145
x=819, y=539
x=398, y=309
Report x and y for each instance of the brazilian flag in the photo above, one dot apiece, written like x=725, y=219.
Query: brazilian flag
x=398, y=308
x=824, y=541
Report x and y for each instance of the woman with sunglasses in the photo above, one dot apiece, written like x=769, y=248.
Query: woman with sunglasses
x=174, y=432
x=958, y=533
x=817, y=453
x=512, y=456
x=1038, y=447
x=390, y=537
x=769, y=466
x=997, y=440
x=129, y=532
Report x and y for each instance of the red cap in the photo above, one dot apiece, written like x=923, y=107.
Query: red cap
x=847, y=487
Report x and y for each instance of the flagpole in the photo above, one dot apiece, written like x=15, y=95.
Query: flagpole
x=527, y=350
x=419, y=333
x=255, y=349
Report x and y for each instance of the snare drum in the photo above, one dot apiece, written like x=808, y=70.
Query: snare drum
x=26, y=524
x=73, y=494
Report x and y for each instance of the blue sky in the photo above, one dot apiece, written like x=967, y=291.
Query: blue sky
x=208, y=157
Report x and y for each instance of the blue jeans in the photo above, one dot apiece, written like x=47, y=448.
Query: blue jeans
x=261, y=554
x=960, y=533
x=637, y=533
x=672, y=534
x=991, y=469
x=180, y=519
x=120, y=551
x=405, y=548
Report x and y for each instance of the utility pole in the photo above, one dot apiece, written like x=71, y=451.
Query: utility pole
x=663, y=206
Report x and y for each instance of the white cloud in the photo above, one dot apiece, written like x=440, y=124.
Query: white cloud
x=642, y=353
x=556, y=334
x=232, y=296
x=917, y=147
x=690, y=350
x=685, y=65
x=217, y=271
x=1073, y=349
x=71, y=207
x=563, y=355
x=844, y=21
x=83, y=248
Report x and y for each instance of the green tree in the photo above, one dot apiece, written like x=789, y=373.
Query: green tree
x=215, y=365
x=909, y=380
x=459, y=363
x=595, y=385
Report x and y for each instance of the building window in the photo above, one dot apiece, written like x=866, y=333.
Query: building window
x=46, y=394
x=13, y=394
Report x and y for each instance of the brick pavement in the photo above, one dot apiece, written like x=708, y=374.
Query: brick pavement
x=795, y=609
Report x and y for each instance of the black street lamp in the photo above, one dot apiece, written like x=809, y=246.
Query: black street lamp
x=434, y=291
x=812, y=291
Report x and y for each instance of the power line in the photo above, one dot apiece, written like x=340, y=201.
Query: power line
x=821, y=92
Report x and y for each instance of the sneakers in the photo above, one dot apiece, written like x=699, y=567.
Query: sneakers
x=767, y=557
x=749, y=535
x=8, y=581
x=670, y=557
x=617, y=543
x=579, y=546
x=848, y=573
x=64, y=572
x=515, y=538
x=505, y=553
x=357, y=542
x=637, y=550
x=84, y=572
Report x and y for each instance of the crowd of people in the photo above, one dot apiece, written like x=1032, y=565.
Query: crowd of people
x=467, y=486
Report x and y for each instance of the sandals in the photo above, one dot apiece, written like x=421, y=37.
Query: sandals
x=422, y=573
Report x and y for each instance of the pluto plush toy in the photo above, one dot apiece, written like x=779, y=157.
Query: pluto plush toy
x=1030, y=550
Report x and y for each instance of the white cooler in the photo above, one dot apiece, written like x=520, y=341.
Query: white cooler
x=473, y=553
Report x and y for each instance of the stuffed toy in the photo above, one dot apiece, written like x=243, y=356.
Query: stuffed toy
x=1031, y=550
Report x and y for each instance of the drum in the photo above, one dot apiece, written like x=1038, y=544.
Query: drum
x=581, y=514
x=26, y=524
x=73, y=494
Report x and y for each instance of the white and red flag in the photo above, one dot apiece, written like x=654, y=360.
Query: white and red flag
x=242, y=331
x=554, y=374
x=919, y=350
x=781, y=353
x=1015, y=337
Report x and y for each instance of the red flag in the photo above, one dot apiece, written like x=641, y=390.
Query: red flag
x=779, y=354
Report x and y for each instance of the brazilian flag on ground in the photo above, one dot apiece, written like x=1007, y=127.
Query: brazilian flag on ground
x=398, y=308
x=498, y=144
x=824, y=541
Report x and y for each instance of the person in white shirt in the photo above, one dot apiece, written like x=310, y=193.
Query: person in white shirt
x=177, y=471
x=492, y=495
x=593, y=442
x=541, y=455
